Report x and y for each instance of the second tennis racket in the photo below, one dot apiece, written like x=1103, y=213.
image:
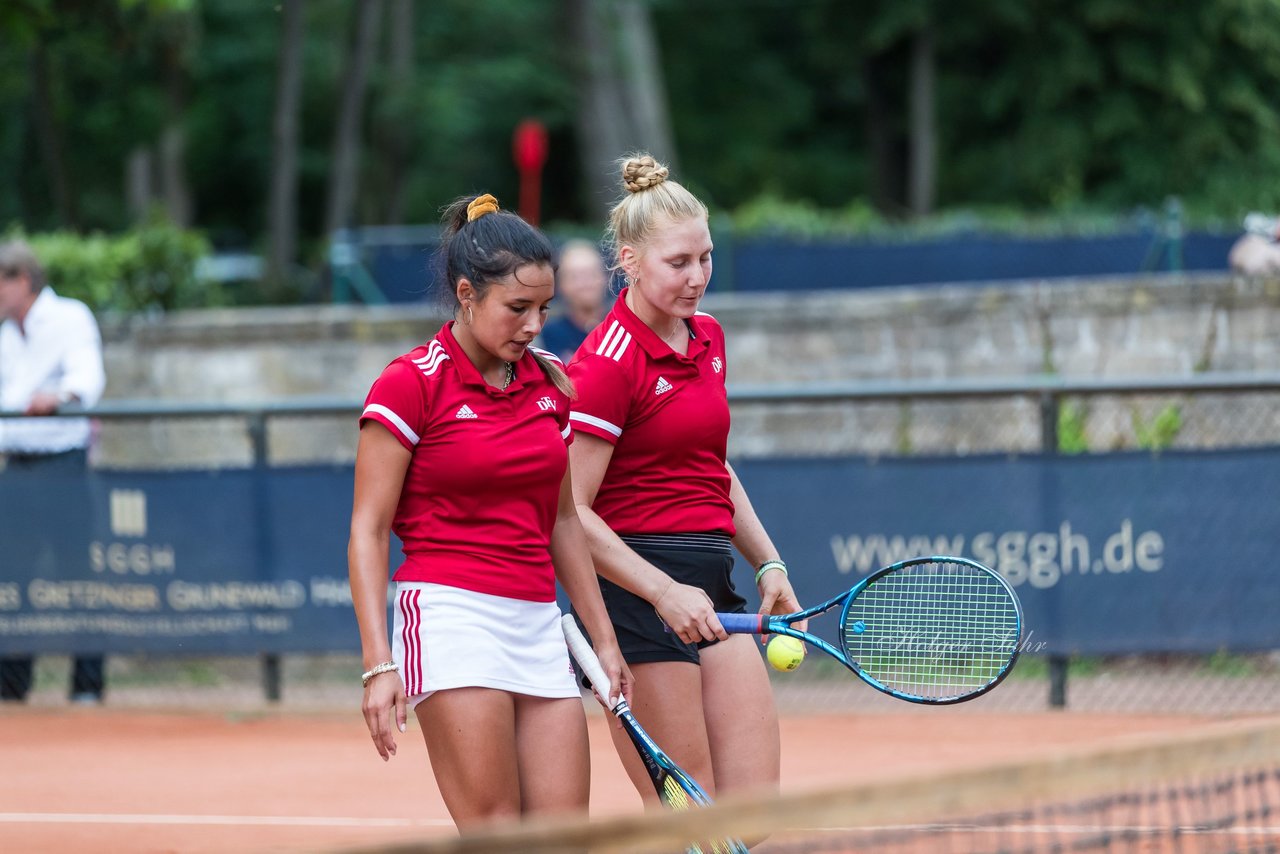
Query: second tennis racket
x=932, y=630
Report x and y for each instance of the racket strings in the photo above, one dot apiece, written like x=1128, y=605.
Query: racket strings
x=676, y=797
x=933, y=631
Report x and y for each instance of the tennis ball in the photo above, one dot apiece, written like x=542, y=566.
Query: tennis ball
x=785, y=653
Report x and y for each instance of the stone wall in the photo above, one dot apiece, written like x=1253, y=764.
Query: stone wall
x=1166, y=325
x=1131, y=327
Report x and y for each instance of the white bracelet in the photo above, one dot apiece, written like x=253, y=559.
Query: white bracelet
x=768, y=565
x=384, y=667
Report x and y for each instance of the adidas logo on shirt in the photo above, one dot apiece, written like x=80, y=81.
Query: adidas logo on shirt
x=465, y=412
x=663, y=386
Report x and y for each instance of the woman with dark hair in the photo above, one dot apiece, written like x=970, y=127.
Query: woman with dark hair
x=463, y=454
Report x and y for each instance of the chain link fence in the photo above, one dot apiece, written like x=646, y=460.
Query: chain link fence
x=1209, y=414
x=912, y=419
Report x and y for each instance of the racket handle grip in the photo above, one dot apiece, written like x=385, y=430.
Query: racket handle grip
x=586, y=658
x=742, y=624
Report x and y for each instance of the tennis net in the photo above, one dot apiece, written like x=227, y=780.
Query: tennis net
x=1215, y=790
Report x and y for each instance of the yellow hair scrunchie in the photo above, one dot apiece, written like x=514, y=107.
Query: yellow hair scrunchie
x=480, y=206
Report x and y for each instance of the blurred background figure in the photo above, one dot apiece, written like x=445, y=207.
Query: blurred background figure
x=1257, y=252
x=582, y=283
x=50, y=358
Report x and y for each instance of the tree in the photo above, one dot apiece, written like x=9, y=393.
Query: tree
x=602, y=120
x=282, y=220
x=1022, y=104
x=344, y=164
x=922, y=173
x=900, y=44
x=50, y=136
x=646, y=92
x=34, y=29
x=397, y=126
x=175, y=25
x=622, y=99
x=1140, y=104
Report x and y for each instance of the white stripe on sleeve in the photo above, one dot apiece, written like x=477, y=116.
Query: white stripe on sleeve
x=622, y=348
x=608, y=341
x=399, y=422
x=599, y=423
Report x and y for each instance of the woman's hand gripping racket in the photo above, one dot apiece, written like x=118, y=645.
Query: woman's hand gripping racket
x=675, y=788
x=928, y=630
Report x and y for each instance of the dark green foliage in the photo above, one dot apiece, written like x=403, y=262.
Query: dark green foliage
x=1042, y=105
x=147, y=268
x=1079, y=110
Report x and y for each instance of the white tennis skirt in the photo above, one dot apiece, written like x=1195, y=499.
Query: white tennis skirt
x=446, y=637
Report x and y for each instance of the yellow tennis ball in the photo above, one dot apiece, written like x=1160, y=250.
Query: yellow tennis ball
x=785, y=653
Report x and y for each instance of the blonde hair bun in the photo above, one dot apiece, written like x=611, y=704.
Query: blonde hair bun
x=642, y=173
x=635, y=217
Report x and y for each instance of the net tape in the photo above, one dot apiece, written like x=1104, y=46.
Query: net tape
x=1213, y=790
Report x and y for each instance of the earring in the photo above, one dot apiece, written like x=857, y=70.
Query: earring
x=470, y=318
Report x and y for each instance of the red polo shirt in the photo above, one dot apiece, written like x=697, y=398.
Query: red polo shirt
x=480, y=496
x=666, y=415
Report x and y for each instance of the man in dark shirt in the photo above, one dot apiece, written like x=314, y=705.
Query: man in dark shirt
x=581, y=286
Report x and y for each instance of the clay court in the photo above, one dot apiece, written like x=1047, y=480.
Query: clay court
x=132, y=779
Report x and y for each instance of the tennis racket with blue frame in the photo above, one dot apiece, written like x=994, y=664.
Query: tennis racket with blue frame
x=676, y=788
x=932, y=630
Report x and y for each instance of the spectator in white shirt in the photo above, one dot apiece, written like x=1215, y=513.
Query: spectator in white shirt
x=50, y=358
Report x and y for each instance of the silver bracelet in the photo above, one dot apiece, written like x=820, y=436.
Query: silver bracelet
x=384, y=667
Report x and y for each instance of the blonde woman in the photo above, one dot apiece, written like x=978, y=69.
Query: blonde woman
x=662, y=508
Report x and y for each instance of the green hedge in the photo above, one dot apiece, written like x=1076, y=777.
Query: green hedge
x=151, y=267
x=774, y=216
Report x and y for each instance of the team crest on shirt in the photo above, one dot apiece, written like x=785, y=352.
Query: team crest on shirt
x=546, y=404
x=662, y=386
x=465, y=412
x=717, y=364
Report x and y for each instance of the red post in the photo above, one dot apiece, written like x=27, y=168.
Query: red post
x=529, y=150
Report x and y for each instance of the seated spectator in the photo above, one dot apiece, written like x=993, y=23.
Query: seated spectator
x=581, y=286
x=1257, y=252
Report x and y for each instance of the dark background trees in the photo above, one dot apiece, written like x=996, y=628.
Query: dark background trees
x=266, y=125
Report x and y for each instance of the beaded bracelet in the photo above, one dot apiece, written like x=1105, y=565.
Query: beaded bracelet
x=384, y=667
x=768, y=565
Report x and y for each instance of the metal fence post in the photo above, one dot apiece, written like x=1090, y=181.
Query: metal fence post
x=350, y=279
x=1057, y=681
x=1173, y=232
x=272, y=678
x=725, y=266
x=1050, y=408
x=257, y=426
